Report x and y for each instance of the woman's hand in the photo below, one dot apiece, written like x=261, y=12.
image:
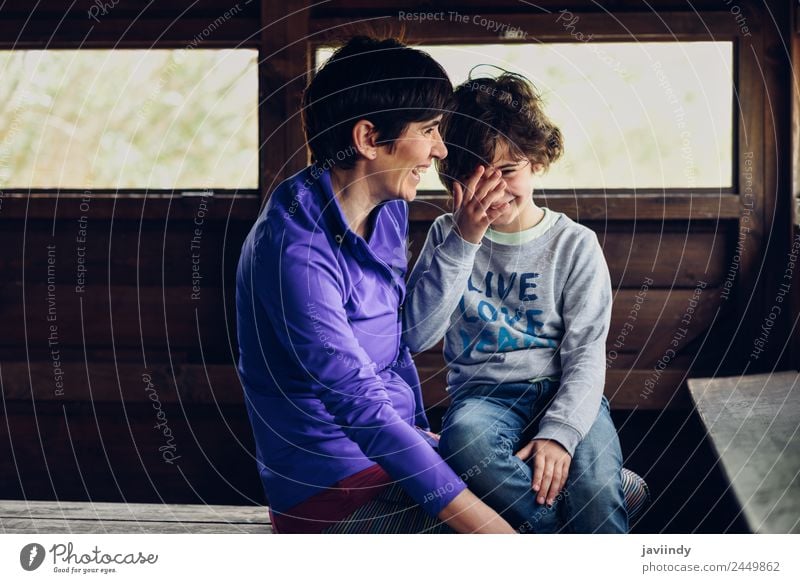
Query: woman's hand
x=467, y=513
x=472, y=204
x=550, y=467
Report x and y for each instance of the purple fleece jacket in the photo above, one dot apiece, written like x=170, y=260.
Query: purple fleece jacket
x=328, y=387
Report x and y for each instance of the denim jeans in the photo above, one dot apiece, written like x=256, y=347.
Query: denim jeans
x=487, y=424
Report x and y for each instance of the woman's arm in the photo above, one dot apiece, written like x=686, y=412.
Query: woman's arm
x=469, y=514
x=300, y=289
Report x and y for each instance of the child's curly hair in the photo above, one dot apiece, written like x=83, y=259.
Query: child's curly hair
x=491, y=113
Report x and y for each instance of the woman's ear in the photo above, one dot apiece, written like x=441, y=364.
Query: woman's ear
x=365, y=139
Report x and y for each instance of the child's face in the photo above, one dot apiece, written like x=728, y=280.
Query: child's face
x=519, y=176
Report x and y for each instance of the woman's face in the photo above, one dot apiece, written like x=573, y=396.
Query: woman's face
x=396, y=172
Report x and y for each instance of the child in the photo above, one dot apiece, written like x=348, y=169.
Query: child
x=522, y=296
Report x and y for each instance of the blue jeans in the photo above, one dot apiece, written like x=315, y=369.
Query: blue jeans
x=487, y=424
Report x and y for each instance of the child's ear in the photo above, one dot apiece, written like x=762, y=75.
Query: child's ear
x=538, y=169
x=365, y=139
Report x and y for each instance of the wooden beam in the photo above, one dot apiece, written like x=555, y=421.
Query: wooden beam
x=776, y=66
x=123, y=382
x=135, y=205
x=610, y=206
x=165, y=252
x=624, y=389
x=150, y=318
x=795, y=81
x=372, y=7
x=749, y=109
x=524, y=25
x=283, y=65
x=659, y=255
x=214, y=31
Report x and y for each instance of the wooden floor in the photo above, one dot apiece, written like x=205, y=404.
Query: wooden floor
x=753, y=423
x=19, y=516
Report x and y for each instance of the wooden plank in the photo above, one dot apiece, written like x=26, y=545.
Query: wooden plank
x=162, y=251
x=776, y=68
x=128, y=23
x=145, y=253
x=75, y=526
x=628, y=385
x=135, y=205
x=116, y=382
x=669, y=257
x=644, y=24
x=654, y=316
x=586, y=207
x=642, y=323
x=116, y=511
x=147, y=317
x=56, y=9
x=749, y=108
x=371, y=7
x=795, y=76
x=753, y=422
x=136, y=452
x=625, y=390
x=794, y=346
x=283, y=64
x=121, y=32
x=427, y=206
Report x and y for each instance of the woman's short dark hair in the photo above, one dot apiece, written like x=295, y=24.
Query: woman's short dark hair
x=492, y=113
x=384, y=81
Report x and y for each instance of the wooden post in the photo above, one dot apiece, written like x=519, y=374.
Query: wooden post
x=283, y=64
x=795, y=207
x=777, y=185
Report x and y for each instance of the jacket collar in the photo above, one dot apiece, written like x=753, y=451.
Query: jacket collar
x=336, y=223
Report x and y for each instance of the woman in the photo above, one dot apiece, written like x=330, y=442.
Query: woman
x=332, y=395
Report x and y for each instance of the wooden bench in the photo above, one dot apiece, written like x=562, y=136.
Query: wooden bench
x=22, y=517
x=753, y=424
x=44, y=517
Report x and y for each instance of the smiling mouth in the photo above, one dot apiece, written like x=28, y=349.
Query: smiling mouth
x=419, y=171
x=508, y=198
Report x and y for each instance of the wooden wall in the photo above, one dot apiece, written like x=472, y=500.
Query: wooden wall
x=88, y=427
x=793, y=33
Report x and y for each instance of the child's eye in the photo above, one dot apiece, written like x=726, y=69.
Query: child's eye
x=512, y=170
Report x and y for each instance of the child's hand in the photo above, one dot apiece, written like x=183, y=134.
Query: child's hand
x=472, y=205
x=430, y=434
x=550, y=467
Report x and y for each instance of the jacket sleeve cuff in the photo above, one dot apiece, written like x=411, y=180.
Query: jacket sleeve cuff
x=564, y=434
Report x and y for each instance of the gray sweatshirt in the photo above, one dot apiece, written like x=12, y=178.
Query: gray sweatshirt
x=515, y=313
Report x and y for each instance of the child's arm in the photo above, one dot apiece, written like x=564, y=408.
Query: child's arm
x=438, y=279
x=587, y=318
x=586, y=313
